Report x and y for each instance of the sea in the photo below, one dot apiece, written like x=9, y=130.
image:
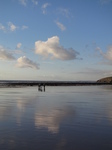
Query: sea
x=58, y=118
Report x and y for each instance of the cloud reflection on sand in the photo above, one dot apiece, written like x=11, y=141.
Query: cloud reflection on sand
x=47, y=115
x=51, y=119
x=57, y=119
x=23, y=105
x=109, y=112
x=15, y=109
x=5, y=111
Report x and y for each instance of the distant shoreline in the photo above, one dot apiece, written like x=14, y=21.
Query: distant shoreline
x=49, y=83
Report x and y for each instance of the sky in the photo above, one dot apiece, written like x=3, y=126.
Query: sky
x=69, y=40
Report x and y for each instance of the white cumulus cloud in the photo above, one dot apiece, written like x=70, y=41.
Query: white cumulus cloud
x=5, y=55
x=52, y=48
x=24, y=62
x=60, y=25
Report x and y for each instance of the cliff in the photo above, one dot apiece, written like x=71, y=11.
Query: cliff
x=105, y=80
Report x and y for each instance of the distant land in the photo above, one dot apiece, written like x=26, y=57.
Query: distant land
x=11, y=83
x=105, y=80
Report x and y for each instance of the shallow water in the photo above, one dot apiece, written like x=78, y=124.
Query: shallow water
x=61, y=118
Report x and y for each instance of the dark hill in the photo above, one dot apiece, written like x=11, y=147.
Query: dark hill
x=105, y=80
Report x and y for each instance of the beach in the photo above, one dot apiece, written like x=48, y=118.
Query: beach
x=62, y=117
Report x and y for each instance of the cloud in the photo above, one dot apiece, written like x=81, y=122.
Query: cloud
x=105, y=1
x=35, y=2
x=60, y=25
x=24, y=27
x=19, y=45
x=24, y=62
x=5, y=55
x=18, y=52
x=98, y=49
x=106, y=55
x=2, y=27
x=94, y=71
x=63, y=11
x=52, y=48
x=23, y=2
x=44, y=6
x=92, y=74
x=12, y=27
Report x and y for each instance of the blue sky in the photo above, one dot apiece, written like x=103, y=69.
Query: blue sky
x=55, y=39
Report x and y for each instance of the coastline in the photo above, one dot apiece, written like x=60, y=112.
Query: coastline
x=50, y=83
